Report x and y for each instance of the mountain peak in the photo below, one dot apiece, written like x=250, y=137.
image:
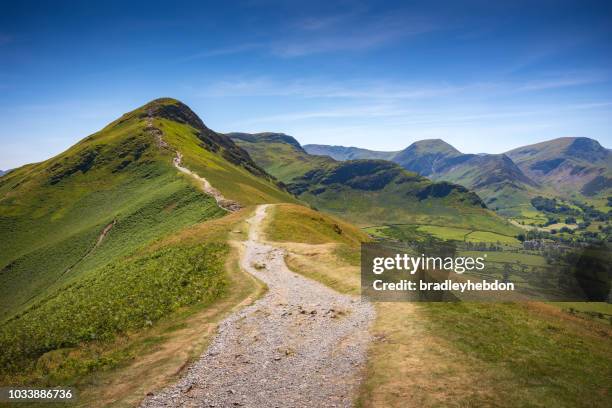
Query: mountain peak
x=586, y=149
x=424, y=156
x=175, y=110
x=434, y=145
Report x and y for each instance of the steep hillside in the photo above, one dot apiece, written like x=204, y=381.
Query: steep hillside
x=281, y=155
x=567, y=164
x=495, y=178
x=112, y=192
x=346, y=153
x=95, y=242
x=368, y=192
x=427, y=157
x=2, y=172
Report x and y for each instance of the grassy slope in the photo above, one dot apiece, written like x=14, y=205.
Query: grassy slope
x=443, y=354
x=496, y=180
x=54, y=212
x=283, y=160
x=404, y=200
x=565, y=165
x=234, y=182
x=395, y=203
x=347, y=153
x=296, y=223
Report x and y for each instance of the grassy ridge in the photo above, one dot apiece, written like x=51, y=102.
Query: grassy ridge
x=405, y=200
x=280, y=155
x=234, y=181
x=295, y=223
x=64, y=289
x=55, y=211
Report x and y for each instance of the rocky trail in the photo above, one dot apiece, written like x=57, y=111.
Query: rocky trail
x=222, y=202
x=300, y=345
x=177, y=161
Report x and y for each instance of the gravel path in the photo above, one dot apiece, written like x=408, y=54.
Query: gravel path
x=300, y=345
x=222, y=202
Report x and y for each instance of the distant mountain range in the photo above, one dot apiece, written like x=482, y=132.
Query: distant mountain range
x=567, y=163
x=366, y=191
x=505, y=181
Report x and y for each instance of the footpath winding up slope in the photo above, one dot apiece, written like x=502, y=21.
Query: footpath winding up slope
x=222, y=202
x=302, y=344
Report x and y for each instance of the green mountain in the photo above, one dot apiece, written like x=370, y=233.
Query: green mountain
x=342, y=153
x=121, y=178
x=495, y=178
x=427, y=157
x=567, y=165
x=368, y=192
x=74, y=229
x=281, y=155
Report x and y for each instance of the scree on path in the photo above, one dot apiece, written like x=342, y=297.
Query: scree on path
x=300, y=345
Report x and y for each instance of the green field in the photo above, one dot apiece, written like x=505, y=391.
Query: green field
x=417, y=231
x=486, y=236
x=510, y=257
x=449, y=233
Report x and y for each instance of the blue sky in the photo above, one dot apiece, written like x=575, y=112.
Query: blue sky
x=484, y=76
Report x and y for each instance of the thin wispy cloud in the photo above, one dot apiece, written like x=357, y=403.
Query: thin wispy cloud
x=229, y=50
x=320, y=88
x=564, y=81
x=396, y=115
x=390, y=90
x=351, y=31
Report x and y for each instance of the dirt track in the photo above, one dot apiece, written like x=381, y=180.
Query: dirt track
x=300, y=345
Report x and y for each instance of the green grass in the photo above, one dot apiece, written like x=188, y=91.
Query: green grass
x=510, y=257
x=397, y=204
x=281, y=159
x=485, y=236
x=295, y=223
x=55, y=211
x=600, y=311
x=449, y=233
x=128, y=294
x=233, y=181
x=59, y=290
x=411, y=232
x=546, y=361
